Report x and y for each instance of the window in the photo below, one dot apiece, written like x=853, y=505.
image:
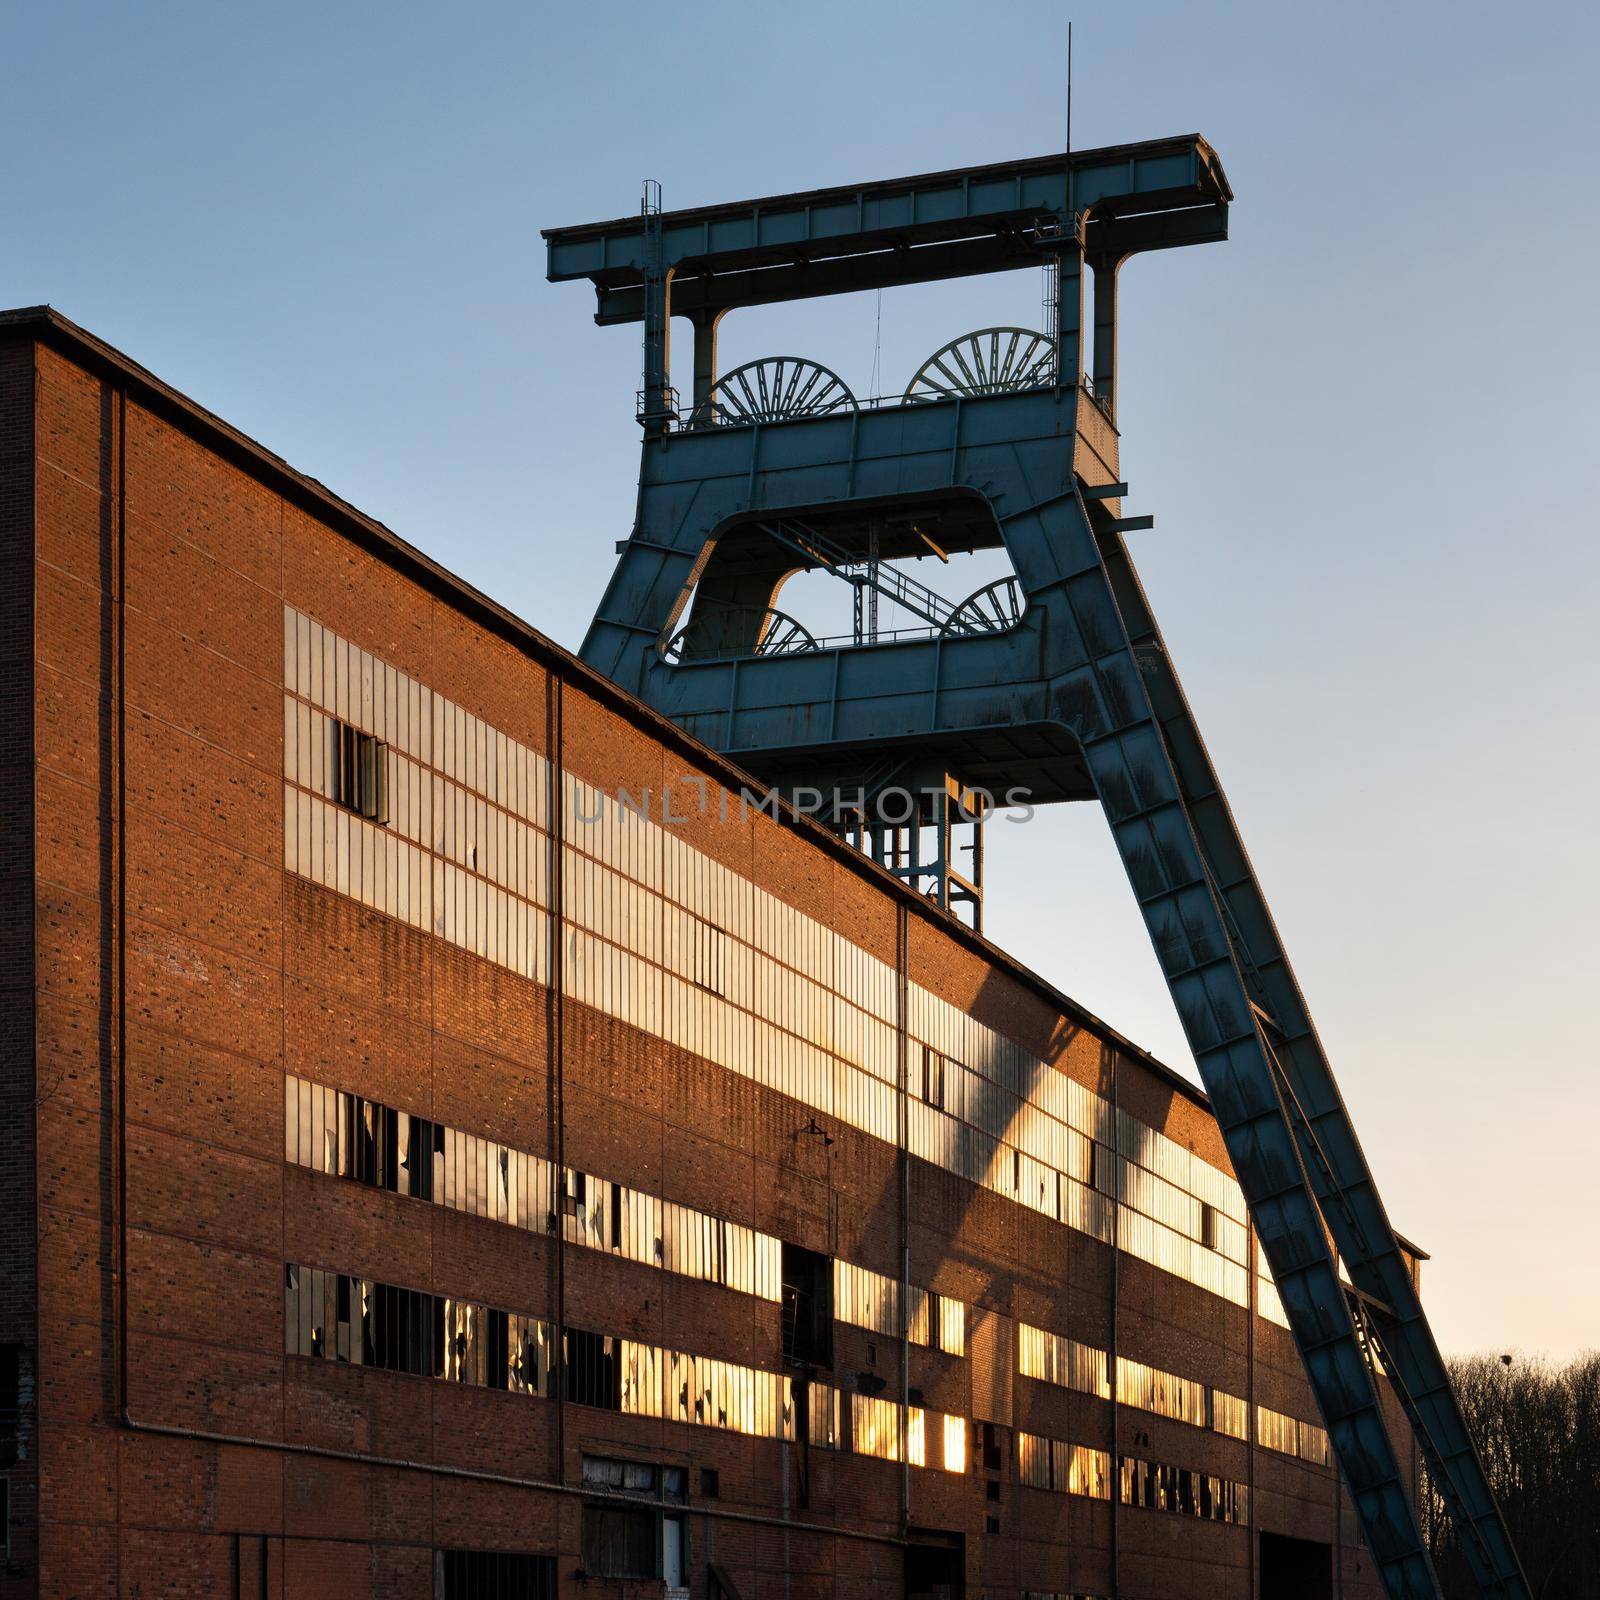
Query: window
x=347, y=1136
x=1066, y=1468
x=335, y=1317
x=816, y=1412
x=631, y=1540
x=1208, y=1225
x=710, y=1483
x=421, y=1147
x=10, y=1402
x=493, y=1575
x=1313, y=1443
x=1275, y=1430
x=807, y=1307
x=708, y=956
x=1053, y=1358
x=374, y=1143
x=1229, y=1414
x=875, y=1426
x=932, y=1077
x=593, y=1374
x=1166, y=1394
x=1102, y=1169
x=360, y=772
x=1155, y=1486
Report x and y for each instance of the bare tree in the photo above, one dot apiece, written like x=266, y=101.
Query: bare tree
x=1538, y=1431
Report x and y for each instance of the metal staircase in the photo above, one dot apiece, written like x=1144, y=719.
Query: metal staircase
x=869, y=572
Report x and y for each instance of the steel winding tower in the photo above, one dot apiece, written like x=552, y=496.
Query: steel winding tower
x=1056, y=680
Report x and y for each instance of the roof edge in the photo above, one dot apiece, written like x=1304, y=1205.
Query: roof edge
x=45, y=323
x=1131, y=150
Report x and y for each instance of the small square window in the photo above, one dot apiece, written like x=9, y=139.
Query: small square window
x=360, y=772
x=1102, y=1169
x=710, y=1483
x=709, y=954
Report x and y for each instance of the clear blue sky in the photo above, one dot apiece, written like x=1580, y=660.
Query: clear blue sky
x=1366, y=425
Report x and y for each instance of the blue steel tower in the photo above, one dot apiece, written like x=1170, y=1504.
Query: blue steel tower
x=1054, y=679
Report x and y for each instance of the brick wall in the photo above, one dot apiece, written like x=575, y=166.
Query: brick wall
x=180, y=973
x=18, y=1088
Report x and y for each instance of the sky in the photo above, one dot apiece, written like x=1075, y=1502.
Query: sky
x=1366, y=426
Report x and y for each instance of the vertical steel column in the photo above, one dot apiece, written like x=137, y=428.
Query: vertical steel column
x=705, y=325
x=1104, y=370
x=1069, y=303
x=654, y=403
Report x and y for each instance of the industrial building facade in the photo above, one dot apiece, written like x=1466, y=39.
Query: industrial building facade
x=462, y=1138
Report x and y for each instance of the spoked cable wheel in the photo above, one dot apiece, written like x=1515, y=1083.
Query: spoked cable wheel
x=775, y=633
x=773, y=389
x=990, y=361
x=991, y=609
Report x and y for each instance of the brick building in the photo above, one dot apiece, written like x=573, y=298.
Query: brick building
x=456, y=1144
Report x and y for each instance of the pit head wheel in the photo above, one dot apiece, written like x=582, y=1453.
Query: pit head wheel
x=773, y=389
x=990, y=361
x=991, y=609
x=776, y=633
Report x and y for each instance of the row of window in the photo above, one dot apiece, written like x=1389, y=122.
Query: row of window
x=1167, y=1395
x=360, y=773
x=1054, y=1358
x=1158, y=1487
x=355, y=686
x=335, y=1316
x=869, y=1425
x=1067, y=1468
x=345, y=1135
x=633, y=877
x=1278, y=1431
x=871, y=1300
x=1059, y=1195
x=342, y=850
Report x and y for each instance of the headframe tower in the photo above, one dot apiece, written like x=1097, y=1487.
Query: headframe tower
x=1055, y=679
